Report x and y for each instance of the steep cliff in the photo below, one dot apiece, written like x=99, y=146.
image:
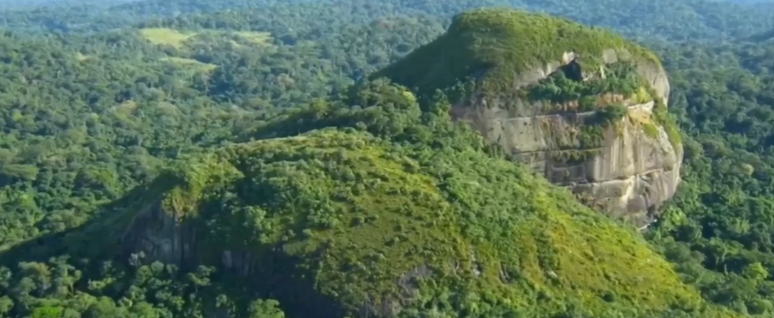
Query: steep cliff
x=580, y=105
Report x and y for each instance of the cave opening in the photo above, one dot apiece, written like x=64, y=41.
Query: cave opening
x=572, y=70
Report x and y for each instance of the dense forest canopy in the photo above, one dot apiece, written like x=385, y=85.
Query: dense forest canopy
x=12, y=4
x=642, y=19
x=99, y=100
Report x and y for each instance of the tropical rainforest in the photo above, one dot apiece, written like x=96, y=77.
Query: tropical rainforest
x=305, y=185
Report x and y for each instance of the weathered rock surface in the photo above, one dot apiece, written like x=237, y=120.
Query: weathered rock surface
x=631, y=173
x=502, y=54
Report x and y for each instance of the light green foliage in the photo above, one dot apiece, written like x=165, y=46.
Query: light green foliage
x=188, y=44
x=165, y=36
x=650, y=129
x=357, y=213
x=495, y=45
x=258, y=38
x=205, y=67
x=265, y=309
x=189, y=180
x=662, y=117
x=186, y=39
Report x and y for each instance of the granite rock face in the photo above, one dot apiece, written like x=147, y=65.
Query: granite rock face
x=629, y=175
x=489, y=62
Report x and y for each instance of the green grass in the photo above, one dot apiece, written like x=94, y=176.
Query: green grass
x=126, y=108
x=165, y=36
x=80, y=57
x=501, y=43
x=179, y=39
x=662, y=117
x=650, y=130
x=257, y=38
x=193, y=64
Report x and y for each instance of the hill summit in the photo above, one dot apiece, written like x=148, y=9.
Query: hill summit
x=580, y=105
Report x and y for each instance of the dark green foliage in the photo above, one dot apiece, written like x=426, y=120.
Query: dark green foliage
x=88, y=114
x=57, y=289
x=619, y=78
x=717, y=230
x=609, y=115
x=591, y=136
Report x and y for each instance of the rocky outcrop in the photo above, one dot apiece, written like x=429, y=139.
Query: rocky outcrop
x=498, y=56
x=160, y=235
x=163, y=235
x=629, y=175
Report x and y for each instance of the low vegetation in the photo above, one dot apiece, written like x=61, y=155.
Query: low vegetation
x=618, y=78
x=491, y=45
x=164, y=36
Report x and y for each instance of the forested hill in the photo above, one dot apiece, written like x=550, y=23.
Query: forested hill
x=112, y=112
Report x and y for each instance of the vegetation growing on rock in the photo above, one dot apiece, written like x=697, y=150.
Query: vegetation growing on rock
x=485, y=52
x=493, y=46
x=618, y=78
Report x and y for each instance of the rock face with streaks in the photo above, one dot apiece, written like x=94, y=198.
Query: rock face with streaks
x=579, y=105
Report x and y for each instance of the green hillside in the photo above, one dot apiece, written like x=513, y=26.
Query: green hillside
x=495, y=45
x=297, y=194
x=451, y=221
x=446, y=228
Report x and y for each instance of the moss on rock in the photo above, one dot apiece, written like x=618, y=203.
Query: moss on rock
x=186, y=182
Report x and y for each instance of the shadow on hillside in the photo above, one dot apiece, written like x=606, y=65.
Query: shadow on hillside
x=102, y=238
x=761, y=37
x=97, y=238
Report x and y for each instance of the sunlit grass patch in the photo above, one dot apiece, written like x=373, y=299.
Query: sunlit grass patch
x=80, y=57
x=206, y=67
x=165, y=36
x=258, y=38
